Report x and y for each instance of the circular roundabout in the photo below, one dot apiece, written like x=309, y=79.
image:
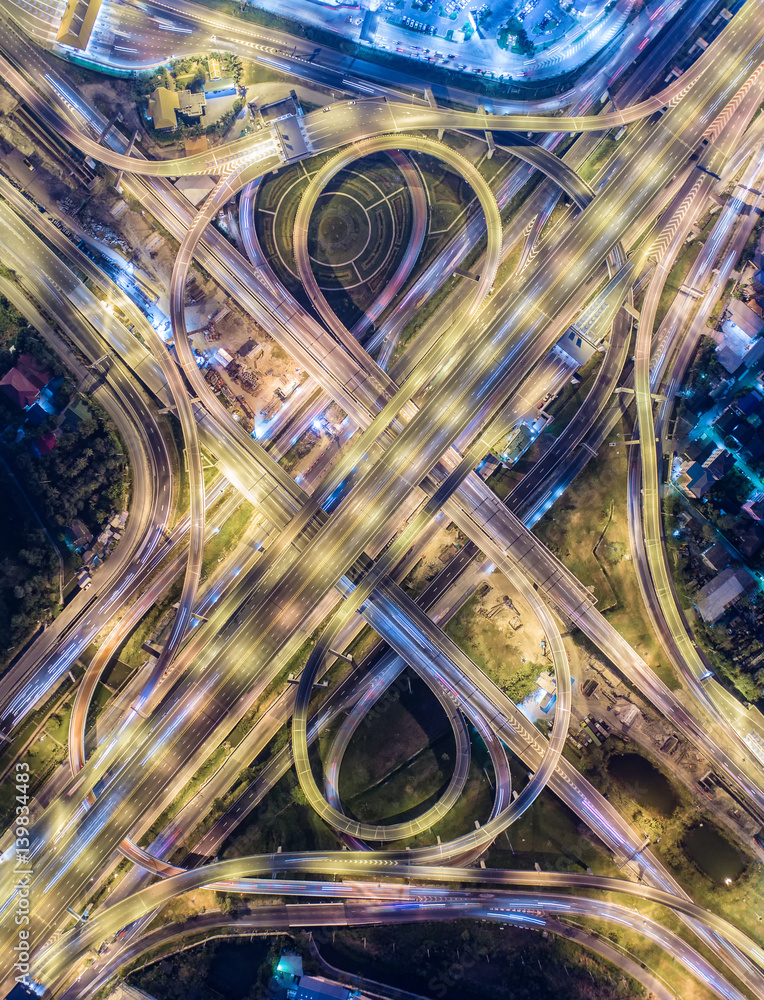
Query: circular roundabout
x=359, y=234
x=340, y=230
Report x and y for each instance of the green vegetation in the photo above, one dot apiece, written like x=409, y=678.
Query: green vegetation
x=465, y=960
x=599, y=156
x=85, y=476
x=551, y=836
x=232, y=970
x=514, y=37
x=668, y=833
x=132, y=653
x=223, y=541
x=570, y=398
x=482, y=641
x=400, y=756
x=48, y=722
x=359, y=231
x=682, y=266
x=28, y=567
x=191, y=787
x=587, y=528
x=282, y=819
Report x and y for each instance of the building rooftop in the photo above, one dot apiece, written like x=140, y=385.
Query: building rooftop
x=77, y=23
x=45, y=443
x=18, y=388
x=749, y=403
x=700, y=450
x=163, y=104
x=76, y=412
x=746, y=320
x=34, y=369
x=220, y=88
x=318, y=988
x=280, y=109
x=719, y=463
x=716, y=557
x=721, y=592
x=192, y=104
x=726, y=420
x=696, y=481
x=748, y=536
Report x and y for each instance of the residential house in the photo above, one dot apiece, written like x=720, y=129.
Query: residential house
x=76, y=412
x=44, y=444
x=716, y=557
x=755, y=509
x=78, y=534
x=726, y=420
x=749, y=403
x=191, y=104
x=34, y=370
x=696, y=481
x=719, y=463
x=162, y=108
x=741, y=325
x=748, y=536
x=18, y=388
x=700, y=450
x=722, y=592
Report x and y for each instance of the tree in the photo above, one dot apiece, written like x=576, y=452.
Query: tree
x=299, y=796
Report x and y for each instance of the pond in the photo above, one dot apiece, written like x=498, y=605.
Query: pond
x=644, y=783
x=712, y=853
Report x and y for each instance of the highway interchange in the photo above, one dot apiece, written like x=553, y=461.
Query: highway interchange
x=333, y=550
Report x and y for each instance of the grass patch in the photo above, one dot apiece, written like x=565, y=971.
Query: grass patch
x=587, y=528
x=481, y=640
x=598, y=158
x=678, y=273
x=225, y=539
x=570, y=398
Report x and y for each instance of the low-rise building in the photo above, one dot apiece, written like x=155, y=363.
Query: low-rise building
x=34, y=370
x=699, y=450
x=719, y=463
x=162, y=108
x=76, y=412
x=749, y=404
x=748, y=536
x=318, y=988
x=696, y=481
x=44, y=444
x=17, y=387
x=191, y=104
x=78, y=534
x=716, y=557
x=755, y=509
x=220, y=88
x=742, y=320
x=722, y=592
x=741, y=325
x=165, y=105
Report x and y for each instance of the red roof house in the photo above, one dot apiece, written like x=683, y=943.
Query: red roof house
x=45, y=443
x=34, y=370
x=18, y=388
